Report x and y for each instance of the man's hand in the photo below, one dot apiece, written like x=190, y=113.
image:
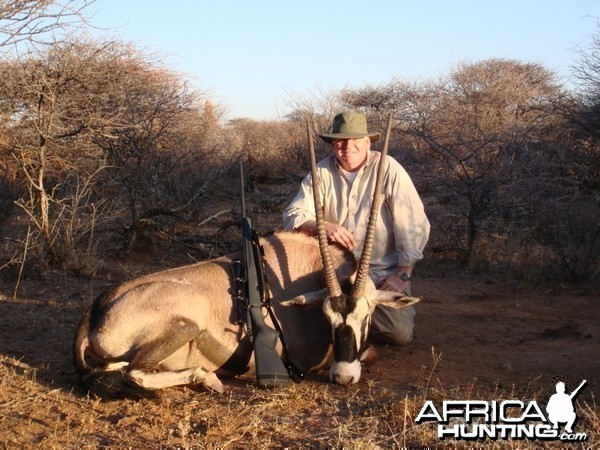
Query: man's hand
x=334, y=232
x=393, y=283
x=339, y=234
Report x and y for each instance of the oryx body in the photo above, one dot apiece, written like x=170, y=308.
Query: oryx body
x=155, y=327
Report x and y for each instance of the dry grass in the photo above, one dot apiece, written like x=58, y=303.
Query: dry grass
x=312, y=414
x=466, y=336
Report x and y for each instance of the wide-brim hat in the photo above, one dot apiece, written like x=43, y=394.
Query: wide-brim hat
x=349, y=125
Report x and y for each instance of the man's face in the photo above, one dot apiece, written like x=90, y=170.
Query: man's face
x=351, y=153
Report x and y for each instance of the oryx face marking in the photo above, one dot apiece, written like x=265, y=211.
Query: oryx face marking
x=349, y=319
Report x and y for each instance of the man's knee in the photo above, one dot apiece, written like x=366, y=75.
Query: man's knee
x=398, y=335
x=401, y=335
x=393, y=326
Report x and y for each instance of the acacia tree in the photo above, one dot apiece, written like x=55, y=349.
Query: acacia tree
x=167, y=147
x=318, y=107
x=25, y=24
x=376, y=102
x=482, y=125
x=47, y=135
x=471, y=133
x=571, y=212
x=273, y=150
x=587, y=77
x=584, y=113
x=96, y=116
x=149, y=102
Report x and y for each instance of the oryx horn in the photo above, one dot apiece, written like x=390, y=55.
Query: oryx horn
x=362, y=272
x=333, y=285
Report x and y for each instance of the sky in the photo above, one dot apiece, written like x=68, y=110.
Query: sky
x=253, y=56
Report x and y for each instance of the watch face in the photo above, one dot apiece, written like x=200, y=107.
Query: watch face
x=404, y=276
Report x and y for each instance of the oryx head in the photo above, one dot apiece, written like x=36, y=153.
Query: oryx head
x=348, y=308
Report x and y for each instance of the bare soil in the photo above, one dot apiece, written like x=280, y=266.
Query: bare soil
x=475, y=337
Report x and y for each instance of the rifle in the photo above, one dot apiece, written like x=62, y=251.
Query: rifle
x=270, y=368
x=576, y=391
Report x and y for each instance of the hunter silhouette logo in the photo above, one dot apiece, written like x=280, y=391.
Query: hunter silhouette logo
x=506, y=419
x=560, y=407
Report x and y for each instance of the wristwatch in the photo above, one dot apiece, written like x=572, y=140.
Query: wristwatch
x=404, y=276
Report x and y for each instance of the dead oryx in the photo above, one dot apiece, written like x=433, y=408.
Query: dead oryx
x=178, y=327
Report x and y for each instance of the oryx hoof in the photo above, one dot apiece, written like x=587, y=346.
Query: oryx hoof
x=211, y=382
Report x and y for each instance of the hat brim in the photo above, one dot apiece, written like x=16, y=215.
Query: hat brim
x=329, y=137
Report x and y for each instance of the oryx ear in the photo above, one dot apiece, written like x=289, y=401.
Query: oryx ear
x=395, y=300
x=310, y=298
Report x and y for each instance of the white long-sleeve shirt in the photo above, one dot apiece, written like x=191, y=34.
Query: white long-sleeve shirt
x=402, y=229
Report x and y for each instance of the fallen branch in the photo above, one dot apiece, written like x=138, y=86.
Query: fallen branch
x=214, y=216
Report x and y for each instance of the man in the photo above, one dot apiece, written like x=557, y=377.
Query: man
x=347, y=183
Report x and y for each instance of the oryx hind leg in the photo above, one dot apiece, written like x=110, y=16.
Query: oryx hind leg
x=145, y=367
x=193, y=375
x=172, y=336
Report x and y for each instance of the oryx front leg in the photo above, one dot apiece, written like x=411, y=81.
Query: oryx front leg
x=194, y=375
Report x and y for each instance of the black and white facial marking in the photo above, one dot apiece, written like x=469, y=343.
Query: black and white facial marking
x=349, y=318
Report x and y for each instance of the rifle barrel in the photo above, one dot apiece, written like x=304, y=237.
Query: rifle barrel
x=242, y=196
x=574, y=393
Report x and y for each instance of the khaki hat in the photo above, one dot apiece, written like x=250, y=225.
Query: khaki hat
x=349, y=125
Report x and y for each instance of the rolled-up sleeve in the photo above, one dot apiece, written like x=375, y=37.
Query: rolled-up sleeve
x=411, y=226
